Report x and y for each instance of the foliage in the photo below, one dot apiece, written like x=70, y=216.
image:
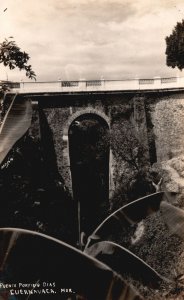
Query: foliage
x=29, y=198
x=163, y=257
x=94, y=139
x=130, y=150
x=125, y=262
x=52, y=258
x=132, y=170
x=175, y=47
x=13, y=57
x=127, y=215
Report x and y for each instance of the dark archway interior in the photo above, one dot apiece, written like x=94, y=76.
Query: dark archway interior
x=89, y=161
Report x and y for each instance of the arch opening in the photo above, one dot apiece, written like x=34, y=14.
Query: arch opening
x=89, y=149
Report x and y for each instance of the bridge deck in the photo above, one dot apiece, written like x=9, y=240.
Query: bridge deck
x=156, y=83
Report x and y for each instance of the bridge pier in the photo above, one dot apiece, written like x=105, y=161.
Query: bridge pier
x=140, y=125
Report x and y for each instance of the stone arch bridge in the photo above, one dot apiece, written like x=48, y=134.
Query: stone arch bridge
x=144, y=116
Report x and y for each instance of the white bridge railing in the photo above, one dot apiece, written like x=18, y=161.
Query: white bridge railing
x=97, y=85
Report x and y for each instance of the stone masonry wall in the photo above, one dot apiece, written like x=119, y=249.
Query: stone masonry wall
x=119, y=111
x=153, y=120
x=167, y=118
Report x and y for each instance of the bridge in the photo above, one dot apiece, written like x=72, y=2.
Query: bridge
x=143, y=119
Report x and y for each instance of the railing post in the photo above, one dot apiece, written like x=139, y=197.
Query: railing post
x=137, y=85
x=21, y=85
x=82, y=84
x=157, y=82
x=102, y=82
x=60, y=84
x=180, y=81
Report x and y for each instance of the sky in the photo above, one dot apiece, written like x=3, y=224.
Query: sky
x=91, y=39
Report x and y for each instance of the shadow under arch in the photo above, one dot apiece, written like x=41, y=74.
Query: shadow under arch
x=89, y=150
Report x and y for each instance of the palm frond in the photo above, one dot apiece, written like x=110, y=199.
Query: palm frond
x=27, y=256
x=127, y=215
x=125, y=263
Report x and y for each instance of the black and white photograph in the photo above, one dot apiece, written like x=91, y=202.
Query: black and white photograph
x=91, y=150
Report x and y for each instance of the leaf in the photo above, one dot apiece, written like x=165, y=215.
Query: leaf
x=129, y=214
x=15, y=124
x=12, y=56
x=27, y=256
x=125, y=262
x=174, y=218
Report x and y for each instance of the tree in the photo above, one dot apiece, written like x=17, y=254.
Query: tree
x=12, y=56
x=175, y=47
